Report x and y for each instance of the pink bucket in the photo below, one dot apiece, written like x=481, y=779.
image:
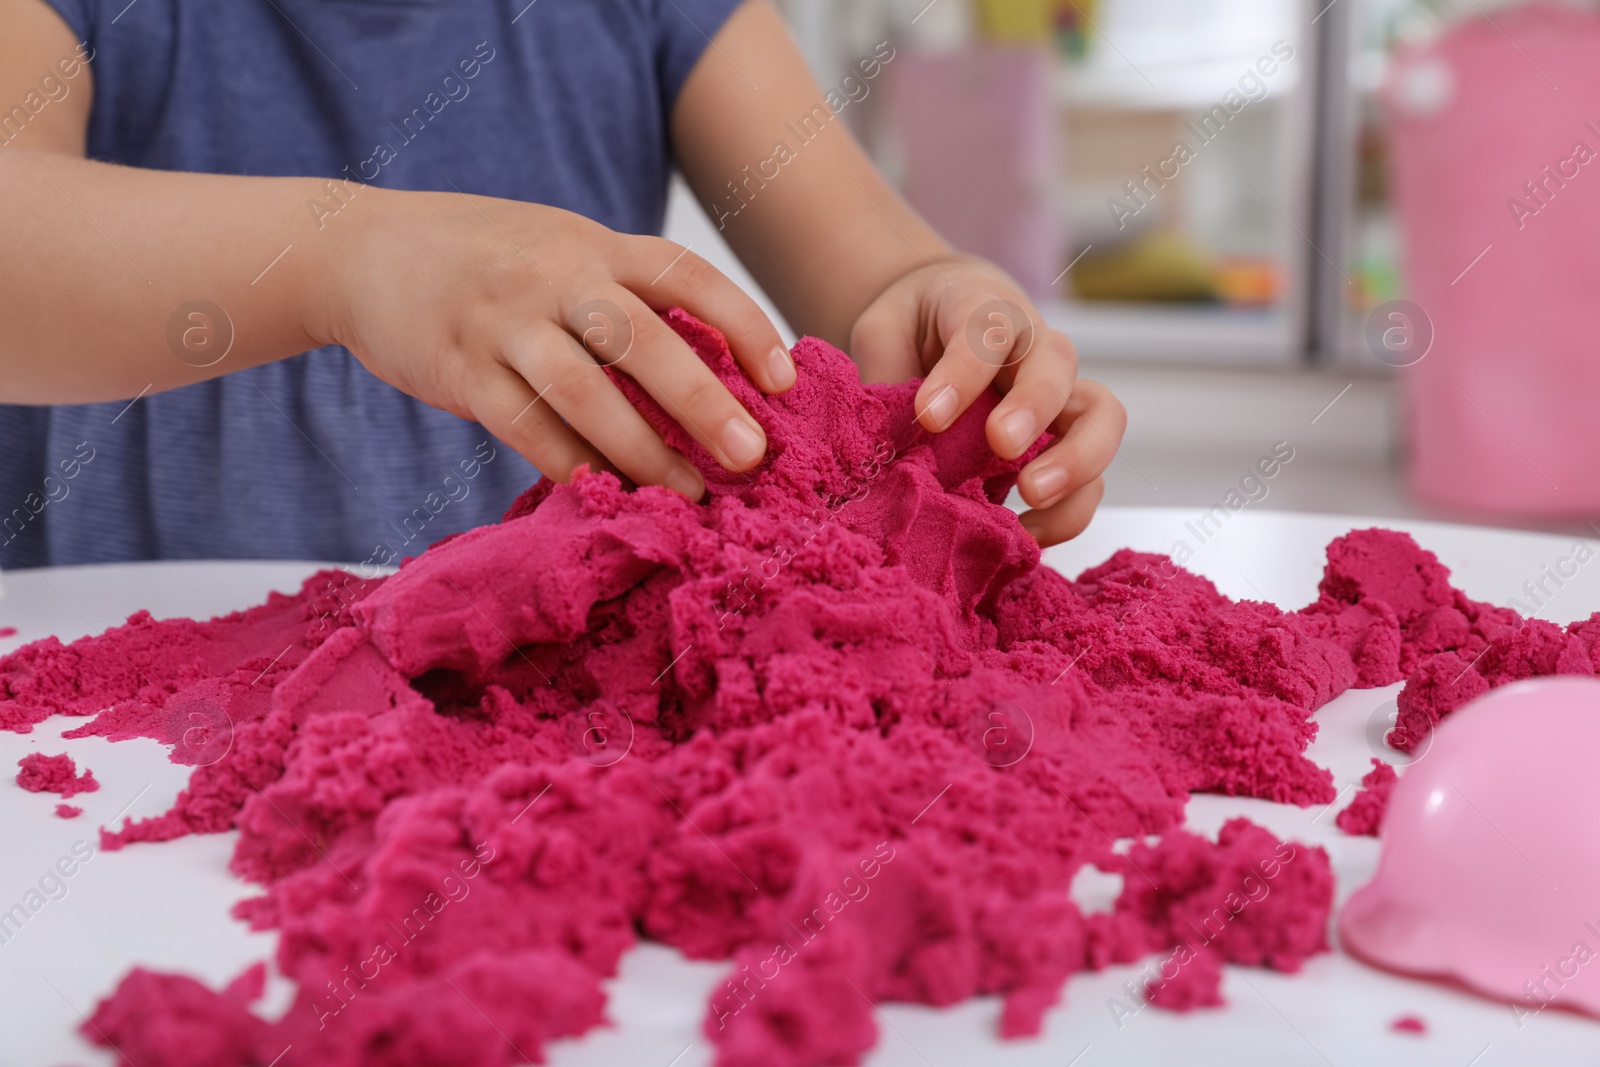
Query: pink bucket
x=1496, y=171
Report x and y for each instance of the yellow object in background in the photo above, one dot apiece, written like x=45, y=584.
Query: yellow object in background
x=1159, y=266
x=1017, y=20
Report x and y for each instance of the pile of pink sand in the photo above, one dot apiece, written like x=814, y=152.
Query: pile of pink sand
x=38, y=773
x=835, y=725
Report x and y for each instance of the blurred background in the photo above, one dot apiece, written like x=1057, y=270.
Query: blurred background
x=1258, y=221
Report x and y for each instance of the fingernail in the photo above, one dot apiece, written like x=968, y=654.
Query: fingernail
x=1018, y=428
x=1049, y=484
x=741, y=443
x=942, y=408
x=780, y=368
x=686, y=480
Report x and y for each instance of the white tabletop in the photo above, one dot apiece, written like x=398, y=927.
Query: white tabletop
x=166, y=906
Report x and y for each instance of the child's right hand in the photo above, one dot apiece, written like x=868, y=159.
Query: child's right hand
x=476, y=305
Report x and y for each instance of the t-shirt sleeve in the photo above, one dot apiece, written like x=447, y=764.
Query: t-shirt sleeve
x=78, y=14
x=684, y=29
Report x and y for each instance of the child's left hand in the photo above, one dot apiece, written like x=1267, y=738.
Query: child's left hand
x=965, y=325
x=821, y=230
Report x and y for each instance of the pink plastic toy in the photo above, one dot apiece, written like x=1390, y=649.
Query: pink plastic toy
x=1490, y=871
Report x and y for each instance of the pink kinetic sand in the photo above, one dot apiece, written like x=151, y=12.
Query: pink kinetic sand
x=835, y=724
x=7, y=631
x=1409, y=1024
x=54, y=774
x=68, y=811
x=1365, y=813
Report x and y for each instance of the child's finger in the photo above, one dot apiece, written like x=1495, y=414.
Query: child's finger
x=1090, y=429
x=509, y=407
x=1067, y=519
x=983, y=335
x=571, y=384
x=883, y=341
x=1037, y=395
x=686, y=388
x=664, y=275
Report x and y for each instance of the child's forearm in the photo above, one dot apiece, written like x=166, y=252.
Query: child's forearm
x=796, y=198
x=115, y=280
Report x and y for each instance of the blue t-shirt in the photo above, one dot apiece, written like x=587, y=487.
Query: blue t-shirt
x=560, y=102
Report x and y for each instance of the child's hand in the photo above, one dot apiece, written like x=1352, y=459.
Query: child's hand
x=964, y=324
x=477, y=305
x=822, y=230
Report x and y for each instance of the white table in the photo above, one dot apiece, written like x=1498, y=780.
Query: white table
x=166, y=906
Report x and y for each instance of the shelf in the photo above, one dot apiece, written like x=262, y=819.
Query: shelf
x=1176, y=333
x=1116, y=85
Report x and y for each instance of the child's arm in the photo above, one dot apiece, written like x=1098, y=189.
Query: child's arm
x=846, y=259
x=473, y=304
